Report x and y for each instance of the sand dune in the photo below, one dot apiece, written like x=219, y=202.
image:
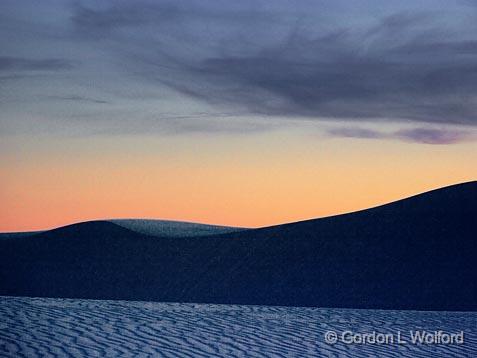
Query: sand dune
x=418, y=253
x=167, y=228
x=15, y=235
x=150, y=227
x=38, y=327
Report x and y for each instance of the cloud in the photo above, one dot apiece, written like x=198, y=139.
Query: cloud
x=415, y=135
x=75, y=98
x=335, y=79
x=99, y=22
x=207, y=125
x=432, y=136
x=354, y=132
x=410, y=63
x=405, y=67
x=8, y=63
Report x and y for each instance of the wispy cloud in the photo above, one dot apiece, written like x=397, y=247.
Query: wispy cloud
x=433, y=136
x=310, y=60
x=75, y=98
x=8, y=63
x=404, y=67
x=355, y=132
x=416, y=135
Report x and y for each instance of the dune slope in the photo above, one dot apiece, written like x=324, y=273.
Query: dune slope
x=168, y=228
x=417, y=253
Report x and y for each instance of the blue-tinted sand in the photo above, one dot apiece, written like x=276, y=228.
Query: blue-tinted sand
x=39, y=327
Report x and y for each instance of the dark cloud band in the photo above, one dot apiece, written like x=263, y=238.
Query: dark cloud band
x=404, y=67
x=306, y=61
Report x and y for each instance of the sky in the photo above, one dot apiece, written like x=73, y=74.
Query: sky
x=247, y=113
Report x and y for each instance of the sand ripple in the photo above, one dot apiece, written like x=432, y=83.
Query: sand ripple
x=39, y=327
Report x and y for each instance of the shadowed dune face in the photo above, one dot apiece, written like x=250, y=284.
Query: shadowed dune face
x=12, y=235
x=417, y=253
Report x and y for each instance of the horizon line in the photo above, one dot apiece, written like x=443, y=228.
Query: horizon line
x=243, y=227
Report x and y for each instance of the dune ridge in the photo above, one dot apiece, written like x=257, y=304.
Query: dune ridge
x=170, y=228
x=416, y=253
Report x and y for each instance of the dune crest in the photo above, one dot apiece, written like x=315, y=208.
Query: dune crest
x=417, y=253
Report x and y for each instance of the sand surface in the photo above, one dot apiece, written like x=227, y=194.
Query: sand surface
x=39, y=327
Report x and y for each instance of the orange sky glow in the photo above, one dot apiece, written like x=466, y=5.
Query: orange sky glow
x=254, y=180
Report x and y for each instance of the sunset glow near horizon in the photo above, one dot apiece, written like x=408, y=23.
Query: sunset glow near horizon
x=254, y=181
x=108, y=112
